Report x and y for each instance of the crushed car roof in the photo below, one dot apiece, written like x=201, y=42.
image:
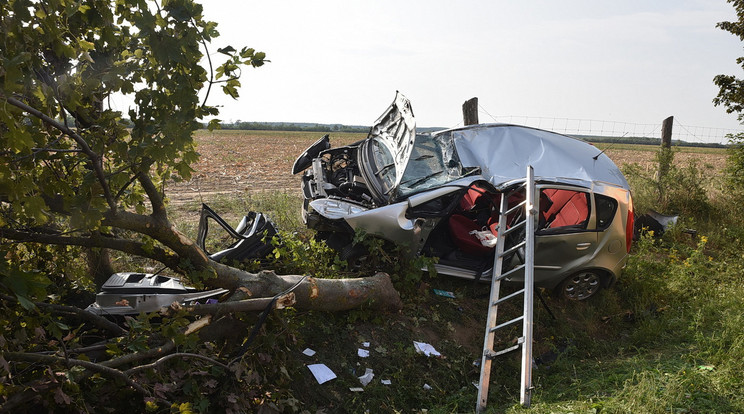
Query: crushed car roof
x=503, y=152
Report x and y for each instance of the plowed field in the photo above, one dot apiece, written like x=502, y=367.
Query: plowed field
x=239, y=161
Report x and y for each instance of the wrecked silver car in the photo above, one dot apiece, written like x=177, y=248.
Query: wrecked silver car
x=434, y=194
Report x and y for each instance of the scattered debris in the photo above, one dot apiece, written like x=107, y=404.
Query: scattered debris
x=365, y=344
x=653, y=222
x=356, y=389
x=427, y=387
x=444, y=293
x=363, y=353
x=198, y=324
x=367, y=377
x=308, y=352
x=386, y=382
x=321, y=373
x=426, y=349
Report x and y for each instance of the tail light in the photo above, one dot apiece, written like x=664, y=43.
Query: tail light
x=629, y=230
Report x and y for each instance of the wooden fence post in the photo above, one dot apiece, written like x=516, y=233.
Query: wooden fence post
x=666, y=132
x=470, y=111
x=666, y=156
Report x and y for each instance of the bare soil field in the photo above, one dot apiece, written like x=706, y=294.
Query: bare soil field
x=252, y=161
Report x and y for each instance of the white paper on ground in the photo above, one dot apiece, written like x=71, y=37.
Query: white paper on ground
x=367, y=377
x=426, y=349
x=308, y=352
x=321, y=373
x=363, y=353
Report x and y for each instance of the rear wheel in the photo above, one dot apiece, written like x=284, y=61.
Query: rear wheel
x=581, y=286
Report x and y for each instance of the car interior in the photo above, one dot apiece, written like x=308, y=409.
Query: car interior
x=466, y=238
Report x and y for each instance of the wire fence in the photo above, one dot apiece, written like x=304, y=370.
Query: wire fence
x=618, y=129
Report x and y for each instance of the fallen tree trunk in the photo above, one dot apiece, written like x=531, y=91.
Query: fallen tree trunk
x=330, y=295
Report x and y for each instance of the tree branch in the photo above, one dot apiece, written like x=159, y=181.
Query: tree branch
x=171, y=356
x=96, y=160
x=162, y=231
x=140, y=356
x=156, y=200
x=245, y=305
x=69, y=362
x=126, y=246
x=96, y=320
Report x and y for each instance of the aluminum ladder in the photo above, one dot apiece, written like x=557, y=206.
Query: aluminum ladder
x=527, y=292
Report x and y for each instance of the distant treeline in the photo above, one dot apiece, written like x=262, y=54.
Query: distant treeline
x=646, y=141
x=284, y=126
x=302, y=126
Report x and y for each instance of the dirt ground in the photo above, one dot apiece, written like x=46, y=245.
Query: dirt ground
x=252, y=161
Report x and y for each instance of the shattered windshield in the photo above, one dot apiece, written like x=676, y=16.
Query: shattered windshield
x=433, y=163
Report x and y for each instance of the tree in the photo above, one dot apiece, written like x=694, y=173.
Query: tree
x=731, y=88
x=87, y=184
x=73, y=175
x=731, y=96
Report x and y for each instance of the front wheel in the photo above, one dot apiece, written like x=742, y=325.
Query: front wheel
x=354, y=255
x=581, y=286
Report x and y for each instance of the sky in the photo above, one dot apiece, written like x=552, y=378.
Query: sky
x=341, y=62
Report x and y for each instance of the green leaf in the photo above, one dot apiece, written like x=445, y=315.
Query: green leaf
x=86, y=45
x=229, y=50
x=25, y=285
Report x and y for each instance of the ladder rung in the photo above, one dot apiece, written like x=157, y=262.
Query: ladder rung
x=509, y=273
x=513, y=249
x=513, y=209
x=492, y=355
x=515, y=227
x=505, y=298
x=517, y=319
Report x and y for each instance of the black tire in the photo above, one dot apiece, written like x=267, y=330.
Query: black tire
x=354, y=255
x=580, y=286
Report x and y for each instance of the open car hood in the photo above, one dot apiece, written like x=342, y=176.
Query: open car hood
x=395, y=129
x=504, y=151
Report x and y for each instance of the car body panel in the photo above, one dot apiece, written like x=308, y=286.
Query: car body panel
x=385, y=152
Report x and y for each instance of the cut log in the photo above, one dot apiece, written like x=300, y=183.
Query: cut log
x=330, y=295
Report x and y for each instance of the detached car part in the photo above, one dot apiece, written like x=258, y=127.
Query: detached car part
x=133, y=293
x=252, y=236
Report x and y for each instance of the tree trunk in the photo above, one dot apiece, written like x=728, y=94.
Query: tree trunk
x=99, y=265
x=331, y=295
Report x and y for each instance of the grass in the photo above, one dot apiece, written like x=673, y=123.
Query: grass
x=666, y=339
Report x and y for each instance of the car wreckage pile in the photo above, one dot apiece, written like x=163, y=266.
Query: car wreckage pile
x=437, y=195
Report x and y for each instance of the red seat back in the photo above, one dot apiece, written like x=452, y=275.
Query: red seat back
x=568, y=208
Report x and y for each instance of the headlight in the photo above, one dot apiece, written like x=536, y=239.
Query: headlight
x=335, y=209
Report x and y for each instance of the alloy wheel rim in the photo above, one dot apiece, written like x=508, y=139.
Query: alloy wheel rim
x=582, y=286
